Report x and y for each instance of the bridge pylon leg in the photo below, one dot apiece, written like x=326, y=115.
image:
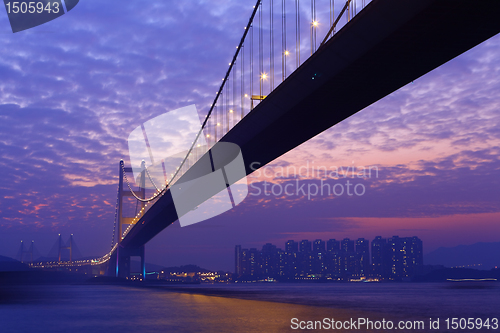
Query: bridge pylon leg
x=123, y=261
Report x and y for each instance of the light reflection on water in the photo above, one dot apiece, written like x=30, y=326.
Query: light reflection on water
x=121, y=309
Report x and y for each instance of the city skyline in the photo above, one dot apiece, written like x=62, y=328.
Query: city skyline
x=393, y=259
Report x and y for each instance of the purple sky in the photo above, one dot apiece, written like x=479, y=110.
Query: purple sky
x=73, y=89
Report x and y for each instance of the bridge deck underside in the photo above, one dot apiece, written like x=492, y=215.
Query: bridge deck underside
x=386, y=46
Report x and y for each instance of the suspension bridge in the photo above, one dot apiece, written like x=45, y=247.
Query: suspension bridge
x=300, y=68
x=62, y=255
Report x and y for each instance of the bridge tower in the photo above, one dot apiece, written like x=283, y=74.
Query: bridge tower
x=123, y=254
x=29, y=252
x=65, y=247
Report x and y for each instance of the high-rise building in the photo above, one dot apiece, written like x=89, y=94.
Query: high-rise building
x=362, y=261
x=332, y=245
x=253, y=262
x=380, y=268
x=415, y=257
x=290, y=265
x=237, y=260
x=319, y=246
x=305, y=258
x=347, y=245
x=395, y=257
x=348, y=258
x=269, y=261
x=333, y=259
x=405, y=257
x=291, y=246
x=245, y=262
x=319, y=252
x=305, y=246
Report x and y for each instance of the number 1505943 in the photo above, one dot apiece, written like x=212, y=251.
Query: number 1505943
x=32, y=7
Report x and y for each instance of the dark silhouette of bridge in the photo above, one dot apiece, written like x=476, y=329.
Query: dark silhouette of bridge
x=382, y=46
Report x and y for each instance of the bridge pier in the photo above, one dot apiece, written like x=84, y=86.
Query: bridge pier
x=123, y=255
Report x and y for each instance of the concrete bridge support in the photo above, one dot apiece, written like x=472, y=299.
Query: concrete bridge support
x=123, y=257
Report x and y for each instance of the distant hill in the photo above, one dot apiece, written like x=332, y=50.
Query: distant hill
x=6, y=259
x=486, y=254
x=135, y=266
x=186, y=269
x=10, y=265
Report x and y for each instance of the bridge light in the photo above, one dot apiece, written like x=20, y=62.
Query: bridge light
x=287, y=53
x=315, y=23
x=231, y=111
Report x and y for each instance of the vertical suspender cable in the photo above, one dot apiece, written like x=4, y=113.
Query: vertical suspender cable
x=215, y=124
x=297, y=33
x=233, y=107
x=242, y=82
x=312, y=26
x=332, y=9
x=331, y=20
x=207, y=137
x=315, y=23
x=283, y=40
x=271, y=46
x=348, y=11
x=251, y=67
x=223, y=112
x=228, y=92
x=261, y=50
x=195, y=155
